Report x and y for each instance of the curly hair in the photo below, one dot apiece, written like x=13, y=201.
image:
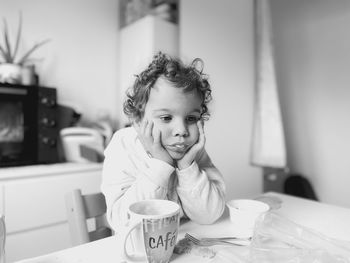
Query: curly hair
x=187, y=77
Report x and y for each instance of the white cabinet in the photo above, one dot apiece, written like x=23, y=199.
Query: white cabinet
x=139, y=41
x=32, y=199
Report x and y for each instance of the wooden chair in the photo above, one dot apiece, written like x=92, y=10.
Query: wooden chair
x=84, y=209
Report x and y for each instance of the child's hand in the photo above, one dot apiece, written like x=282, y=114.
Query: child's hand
x=149, y=136
x=196, y=149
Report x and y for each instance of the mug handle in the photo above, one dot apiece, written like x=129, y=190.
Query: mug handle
x=125, y=236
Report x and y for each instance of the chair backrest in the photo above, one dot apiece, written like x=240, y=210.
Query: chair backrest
x=300, y=186
x=80, y=209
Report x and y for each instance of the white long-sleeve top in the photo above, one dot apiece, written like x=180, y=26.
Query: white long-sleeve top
x=130, y=175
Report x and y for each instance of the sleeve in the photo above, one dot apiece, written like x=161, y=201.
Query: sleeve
x=129, y=176
x=201, y=189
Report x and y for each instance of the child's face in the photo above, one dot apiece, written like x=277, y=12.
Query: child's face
x=175, y=114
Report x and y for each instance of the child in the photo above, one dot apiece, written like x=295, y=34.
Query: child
x=162, y=155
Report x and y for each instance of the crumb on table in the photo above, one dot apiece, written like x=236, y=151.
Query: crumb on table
x=186, y=246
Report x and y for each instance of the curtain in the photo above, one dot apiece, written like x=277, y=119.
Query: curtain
x=268, y=143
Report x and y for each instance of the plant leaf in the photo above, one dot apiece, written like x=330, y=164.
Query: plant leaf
x=3, y=53
x=7, y=43
x=19, y=32
x=33, y=60
x=30, y=51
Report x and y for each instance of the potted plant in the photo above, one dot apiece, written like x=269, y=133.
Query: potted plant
x=10, y=63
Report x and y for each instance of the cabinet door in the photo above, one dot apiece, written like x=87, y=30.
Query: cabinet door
x=39, y=202
x=35, y=210
x=36, y=242
x=2, y=201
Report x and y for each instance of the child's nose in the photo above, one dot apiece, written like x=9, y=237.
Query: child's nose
x=180, y=129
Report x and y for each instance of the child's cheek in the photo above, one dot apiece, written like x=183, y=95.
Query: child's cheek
x=194, y=134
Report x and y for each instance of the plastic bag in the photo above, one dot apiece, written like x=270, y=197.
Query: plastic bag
x=277, y=239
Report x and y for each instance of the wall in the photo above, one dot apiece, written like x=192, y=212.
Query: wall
x=312, y=57
x=82, y=62
x=221, y=33
x=312, y=43
x=81, y=59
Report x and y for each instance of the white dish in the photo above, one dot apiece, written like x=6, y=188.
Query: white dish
x=244, y=213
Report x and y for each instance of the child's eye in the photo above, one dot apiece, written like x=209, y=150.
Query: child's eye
x=165, y=118
x=192, y=119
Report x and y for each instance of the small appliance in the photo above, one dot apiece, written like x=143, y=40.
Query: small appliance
x=82, y=144
x=28, y=125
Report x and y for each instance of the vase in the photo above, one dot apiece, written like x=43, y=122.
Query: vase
x=10, y=73
x=28, y=75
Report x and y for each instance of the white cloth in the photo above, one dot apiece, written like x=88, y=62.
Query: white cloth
x=268, y=142
x=129, y=175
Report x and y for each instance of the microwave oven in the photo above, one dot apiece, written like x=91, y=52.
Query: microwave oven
x=28, y=125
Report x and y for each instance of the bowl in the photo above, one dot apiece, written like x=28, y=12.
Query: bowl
x=244, y=213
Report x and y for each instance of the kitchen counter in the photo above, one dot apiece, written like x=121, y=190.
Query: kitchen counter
x=19, y=172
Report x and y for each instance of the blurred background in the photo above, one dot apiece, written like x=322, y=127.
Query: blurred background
x=96, y=46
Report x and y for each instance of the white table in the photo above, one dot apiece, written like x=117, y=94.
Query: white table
x=329, y=220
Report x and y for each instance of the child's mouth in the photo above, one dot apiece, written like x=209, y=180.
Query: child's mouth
x=177, y=147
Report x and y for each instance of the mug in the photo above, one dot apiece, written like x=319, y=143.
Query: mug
x=152, y=230
x=244, y=213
